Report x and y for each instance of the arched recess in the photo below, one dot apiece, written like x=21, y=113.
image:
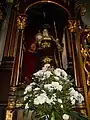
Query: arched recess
x=39, y=15
x=42, y=2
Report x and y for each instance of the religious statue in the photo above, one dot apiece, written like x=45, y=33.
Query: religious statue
x=43, y=50
x=46, y=46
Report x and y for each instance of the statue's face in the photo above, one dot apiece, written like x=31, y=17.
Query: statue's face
x=33, y=47
x=45, y=32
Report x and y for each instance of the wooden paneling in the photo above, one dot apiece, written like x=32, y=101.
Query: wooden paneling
x=5, y=77
x=10, y=39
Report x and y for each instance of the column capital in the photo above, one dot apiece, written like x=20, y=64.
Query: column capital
x=72, y=25
x=21, y=21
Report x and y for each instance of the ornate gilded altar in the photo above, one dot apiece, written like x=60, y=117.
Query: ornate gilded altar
x=25, y=52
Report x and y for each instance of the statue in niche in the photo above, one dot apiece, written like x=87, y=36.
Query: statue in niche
x=43, y=50
x=47, y=48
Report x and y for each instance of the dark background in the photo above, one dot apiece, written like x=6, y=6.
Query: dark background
x=86, y=18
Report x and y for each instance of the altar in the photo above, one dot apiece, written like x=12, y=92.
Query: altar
x=43, y=32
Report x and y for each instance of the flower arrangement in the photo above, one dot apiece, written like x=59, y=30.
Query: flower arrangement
x=51, y=96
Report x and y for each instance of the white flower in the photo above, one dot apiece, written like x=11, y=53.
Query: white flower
x=36, y=89
x=56, y=78
x=54, y=97
x=57, y=86
x=59, y=100
x=43, y=91
x=57, y=71
x=64, y=74
x=25, y=98
x=76, y=95
x=28, y=89
x=61, y=73
x=72, y=100
x=65, y=117
x=49, y=87
x=40, y=99
x=25, y=92
x=47, y=74
x=39, y=73
x=46, y=66
x=33, y=83
x=43, y=78
x=72, y=91
x=26, y=106
x=80, y=98
x=61, y=106
x=52, y=100
x=49, y=101
x=36, y=101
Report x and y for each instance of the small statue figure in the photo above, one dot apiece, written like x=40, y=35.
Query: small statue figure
x=44, y=49
x=46, y=34
x=47, y=48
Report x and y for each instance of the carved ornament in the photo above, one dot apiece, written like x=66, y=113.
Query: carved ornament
x=21, y=22
x=72, y=25
x=46, y=44
x=81, y=9
x=9, y=115
x=47, y=60
x=86, y=54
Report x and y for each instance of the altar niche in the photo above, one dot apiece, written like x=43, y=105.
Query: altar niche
x=43, y=38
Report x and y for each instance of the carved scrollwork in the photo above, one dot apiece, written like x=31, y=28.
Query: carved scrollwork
x=81, y=9
x=85, y=50
x=21, y=22
x=12, y=97
x=72, y=25
x=11, y=104
x=47, y=60
x=9, y=115
x=46, y=44
x=87, y=69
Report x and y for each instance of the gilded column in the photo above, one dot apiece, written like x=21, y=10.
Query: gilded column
x=21, y=23
x=72, y=29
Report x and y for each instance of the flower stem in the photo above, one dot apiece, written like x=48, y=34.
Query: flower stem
x=53, y=116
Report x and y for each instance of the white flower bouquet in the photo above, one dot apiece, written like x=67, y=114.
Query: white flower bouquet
x=51, y=96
